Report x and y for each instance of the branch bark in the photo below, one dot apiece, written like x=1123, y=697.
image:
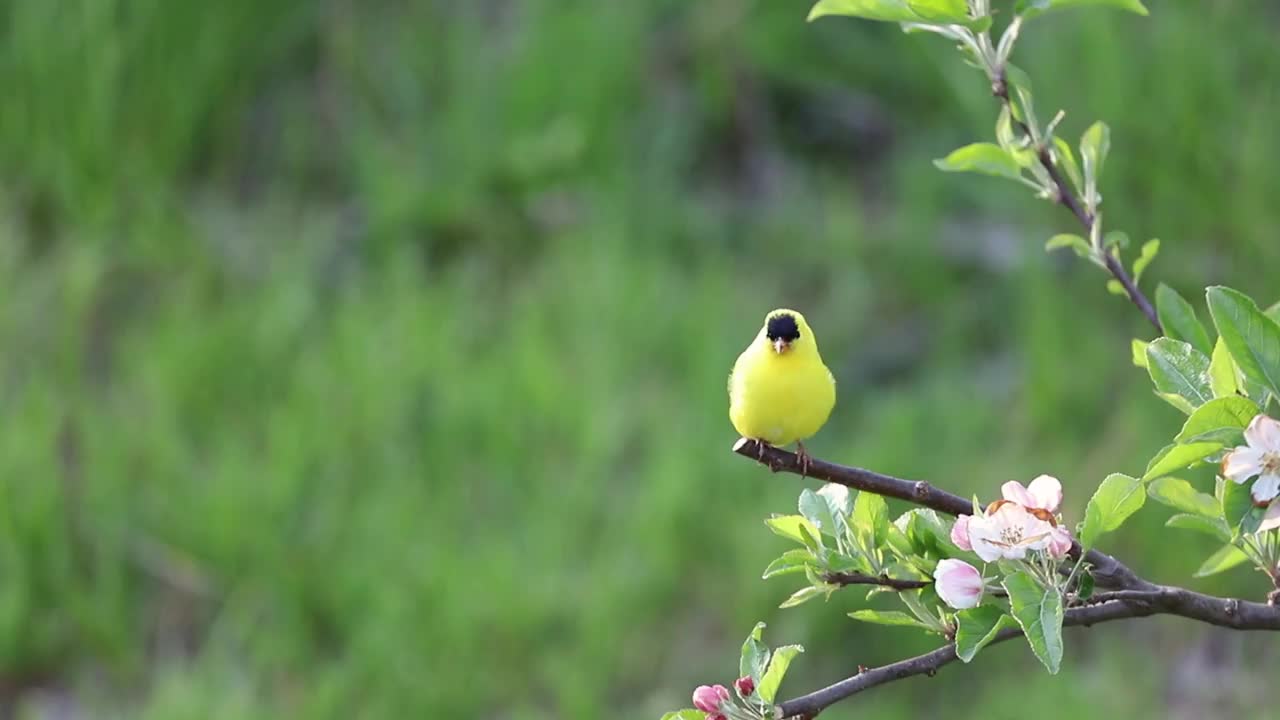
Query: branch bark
x=857, y=578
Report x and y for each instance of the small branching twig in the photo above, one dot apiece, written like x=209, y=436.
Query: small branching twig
x=857, y=578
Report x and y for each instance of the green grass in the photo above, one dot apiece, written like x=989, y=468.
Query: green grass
x=370, y=362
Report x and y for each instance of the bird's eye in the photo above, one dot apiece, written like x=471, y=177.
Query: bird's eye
x=782, y=327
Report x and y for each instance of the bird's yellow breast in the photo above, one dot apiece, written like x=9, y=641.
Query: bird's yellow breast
x=780, y=398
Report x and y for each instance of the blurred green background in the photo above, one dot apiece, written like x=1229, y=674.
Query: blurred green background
x=368, y=359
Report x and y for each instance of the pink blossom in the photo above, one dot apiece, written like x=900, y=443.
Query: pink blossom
x=1044, y=493
x=708, y=698
x=958, y=583
x=1059, y=542
x=745, y=685
x=960, y=533
x=1009, y=530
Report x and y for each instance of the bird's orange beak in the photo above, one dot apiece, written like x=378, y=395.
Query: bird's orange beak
x=780, y=346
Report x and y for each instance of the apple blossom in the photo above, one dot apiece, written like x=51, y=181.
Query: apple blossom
x=958, y=583
x=1009, y=530
x=1260, y=457
x=960, y=533
x=1045, y=493
x=1059, y=542
x=745, y=685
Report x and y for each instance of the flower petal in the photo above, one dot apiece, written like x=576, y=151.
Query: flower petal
x=1263, y=433
x=1265, y=488
x=1271, y=520
x=1014, y=492
x=959, y=584
x=960, y=533
x=1045, y=492
x=1242, y=463
x=1059, y=542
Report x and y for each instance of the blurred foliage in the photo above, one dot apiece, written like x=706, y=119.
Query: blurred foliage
x=367, y=359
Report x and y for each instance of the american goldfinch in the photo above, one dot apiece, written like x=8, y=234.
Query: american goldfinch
x=780, y=392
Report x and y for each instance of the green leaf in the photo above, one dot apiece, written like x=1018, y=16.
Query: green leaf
x=1084, y=590
x=1224, y=378
x=788, y=526
x=1118, y=497
x=1251, y=336
x=1067, y=161
x=1219, y=420
x=802, y=596
x=1179, y=319
x=1179, y=495
x=1138, y=348
x=986, y=158
x=686, y=714
x=1031, y=8
x=755, y=655
x=1209, y=526
x=1150, y=249
x=1179, y=457
x=1227, y=557
x=1066, y=240
x=791, y=561
x=1039, y=613
x=1236, y=501
x=1094, y=146
x=912, y=11
x=815, y=509
x=871, y=519
x=976, y=627
x=1178, y=369
x=782, y=657
x=887, y=617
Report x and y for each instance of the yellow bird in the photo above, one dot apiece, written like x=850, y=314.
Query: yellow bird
x=780, y=391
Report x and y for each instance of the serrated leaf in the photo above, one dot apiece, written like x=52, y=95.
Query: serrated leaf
x=1179, y=319
x=802, y=596
x=782, y=657
x=815, y=509
x=788, y=526
x=1039, y=613
x=1067, y=161
x=871, y=519
x=755, y=655
x=1178, y=369
x=976, y=627
x=887, y=617
x=1173, y=458
x=1224, y=377
x=985, y=158
x=840, y=504
x=1219, y=420
x=1118, y=497
x=791, y=561
x=1252, y=338
x=1179, y=495
x=1209, y=526
x=1227, y=557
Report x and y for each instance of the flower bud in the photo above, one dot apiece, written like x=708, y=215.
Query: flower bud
x=958, y=583
x=1059, y=542
x=960, y=533
x=708, y=698
x=745, y=685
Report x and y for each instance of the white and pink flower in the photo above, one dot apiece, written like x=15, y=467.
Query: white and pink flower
x=1044, y=493
x=1259, y=457
x=709, y=698
x=958, y=583
x=1009, y=530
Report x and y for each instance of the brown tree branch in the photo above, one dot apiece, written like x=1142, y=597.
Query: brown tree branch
x=857, y=578
x=1068, y=199
x=1107, y=571
x=1168, y=601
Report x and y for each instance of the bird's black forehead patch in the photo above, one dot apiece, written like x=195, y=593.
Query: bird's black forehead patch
x=782, y=327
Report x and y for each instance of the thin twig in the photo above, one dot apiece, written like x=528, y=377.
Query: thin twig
x=1068, y=199
x=1107, y=571
x=857, y=578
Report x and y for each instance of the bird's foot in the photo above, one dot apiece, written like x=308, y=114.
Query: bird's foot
x=761, y=446
x=805, y=460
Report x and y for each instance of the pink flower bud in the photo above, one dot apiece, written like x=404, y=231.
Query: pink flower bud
x=958, y=583
x=716, y=716
x=1059, y=542
x=960, y=533
x=745, y=685
x=708, y=698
